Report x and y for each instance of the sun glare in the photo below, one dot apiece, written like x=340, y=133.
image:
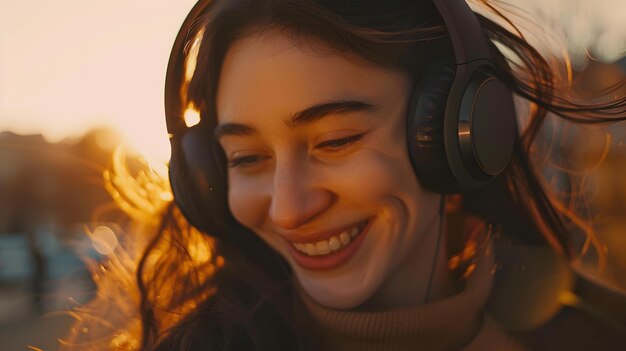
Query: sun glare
x=192, y=116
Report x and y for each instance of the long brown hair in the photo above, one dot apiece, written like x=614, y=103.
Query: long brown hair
x=238, y=296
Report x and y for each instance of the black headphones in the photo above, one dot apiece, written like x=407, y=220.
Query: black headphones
x=461, y=125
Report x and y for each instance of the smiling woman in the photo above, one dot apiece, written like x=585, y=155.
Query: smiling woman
x=330, y=136
x=322, y=161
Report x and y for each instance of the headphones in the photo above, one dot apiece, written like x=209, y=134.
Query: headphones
x=461, y=125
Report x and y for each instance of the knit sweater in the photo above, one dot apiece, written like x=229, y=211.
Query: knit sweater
x=453, y=323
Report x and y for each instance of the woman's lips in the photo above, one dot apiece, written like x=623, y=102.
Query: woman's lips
x=333, y=259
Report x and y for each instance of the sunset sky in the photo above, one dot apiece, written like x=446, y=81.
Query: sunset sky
x=69, y=65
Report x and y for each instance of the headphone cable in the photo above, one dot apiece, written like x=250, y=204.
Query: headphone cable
x=437, y=245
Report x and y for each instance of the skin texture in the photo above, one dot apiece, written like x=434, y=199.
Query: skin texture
x=288, y=183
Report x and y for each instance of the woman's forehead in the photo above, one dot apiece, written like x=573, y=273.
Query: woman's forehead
x=271, y=75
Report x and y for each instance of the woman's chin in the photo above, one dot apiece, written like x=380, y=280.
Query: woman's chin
x=336, y=293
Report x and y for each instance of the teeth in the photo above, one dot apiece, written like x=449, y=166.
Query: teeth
x=354, y=232
x=310, y=249
x=344, y=238
x=323, y=248
x=334, y=243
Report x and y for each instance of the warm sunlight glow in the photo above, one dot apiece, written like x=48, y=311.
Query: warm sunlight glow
x=596, y=27
x=181, y=263
x=192, y=116
x=192, y=56
x=143, y=195
x=76, y=65
x=201, y=252
x=151, y=142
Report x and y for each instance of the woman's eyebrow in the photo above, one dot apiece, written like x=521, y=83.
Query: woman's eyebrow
x=233, y=129
x=316, y=112
x=306, y=116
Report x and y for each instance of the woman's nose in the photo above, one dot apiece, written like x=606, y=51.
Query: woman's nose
x=297, y=199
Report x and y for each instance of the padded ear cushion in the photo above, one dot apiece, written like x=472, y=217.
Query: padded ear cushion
x=198, y=182
x=425, y=130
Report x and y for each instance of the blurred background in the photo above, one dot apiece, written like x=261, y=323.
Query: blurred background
x=79, y=78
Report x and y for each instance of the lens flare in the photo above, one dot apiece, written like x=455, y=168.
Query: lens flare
x=103, y=240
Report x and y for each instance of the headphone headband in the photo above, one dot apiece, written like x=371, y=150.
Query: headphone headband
x=466, y=34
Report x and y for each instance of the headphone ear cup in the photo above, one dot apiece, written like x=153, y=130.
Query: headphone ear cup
x=198, y=183
x=425, y=130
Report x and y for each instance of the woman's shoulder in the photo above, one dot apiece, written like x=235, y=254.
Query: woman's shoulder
x=574, y=328
x=540, y=300
x=493, y=337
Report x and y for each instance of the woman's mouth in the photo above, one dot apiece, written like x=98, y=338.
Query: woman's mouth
x=332, y=244
x=330, y=252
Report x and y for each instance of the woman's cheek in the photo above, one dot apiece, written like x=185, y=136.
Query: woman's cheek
x=372, y=176
x=381, y=167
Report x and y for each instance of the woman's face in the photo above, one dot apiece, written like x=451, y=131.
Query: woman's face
x=319, y=168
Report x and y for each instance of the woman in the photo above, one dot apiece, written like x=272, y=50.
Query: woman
x=329, y=133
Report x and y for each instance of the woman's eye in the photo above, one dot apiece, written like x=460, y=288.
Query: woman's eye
x=243, y=161
x=335, y=145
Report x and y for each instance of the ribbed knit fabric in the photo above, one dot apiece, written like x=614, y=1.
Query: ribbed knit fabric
x=453, y=323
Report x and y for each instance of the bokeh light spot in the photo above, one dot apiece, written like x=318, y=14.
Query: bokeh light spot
x=104, y=240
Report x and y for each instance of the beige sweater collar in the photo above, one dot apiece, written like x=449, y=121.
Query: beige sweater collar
x=449, y=323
